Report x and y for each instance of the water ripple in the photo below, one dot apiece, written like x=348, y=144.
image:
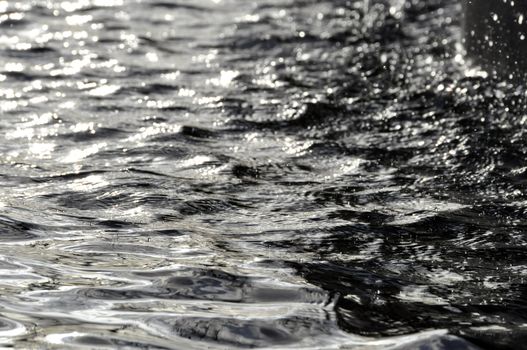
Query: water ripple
x=282, y=174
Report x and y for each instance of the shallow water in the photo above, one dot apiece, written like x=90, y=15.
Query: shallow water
x=233, y=174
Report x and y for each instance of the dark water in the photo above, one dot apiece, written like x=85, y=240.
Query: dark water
x=272, y=174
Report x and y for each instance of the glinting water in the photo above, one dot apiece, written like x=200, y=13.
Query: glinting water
x=222, y=174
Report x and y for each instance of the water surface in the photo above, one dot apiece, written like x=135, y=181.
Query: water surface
x=271, y=174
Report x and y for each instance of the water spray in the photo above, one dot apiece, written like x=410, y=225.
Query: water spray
x=495, y=35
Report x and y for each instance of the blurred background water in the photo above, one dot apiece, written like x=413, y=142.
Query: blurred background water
x=274, y=174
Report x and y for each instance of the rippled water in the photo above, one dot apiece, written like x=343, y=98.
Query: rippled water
x=232, y=174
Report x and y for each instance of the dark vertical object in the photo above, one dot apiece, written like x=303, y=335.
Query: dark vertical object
x=496, y=36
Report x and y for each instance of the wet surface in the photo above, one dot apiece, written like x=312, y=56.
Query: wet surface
x=232, y=174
